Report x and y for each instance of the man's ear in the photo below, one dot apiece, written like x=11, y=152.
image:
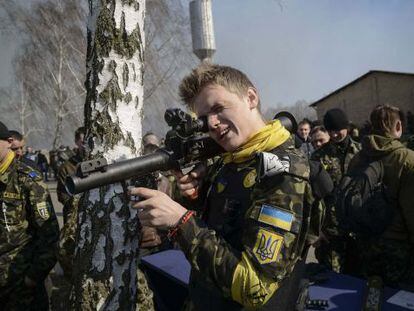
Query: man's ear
x=253, y=97
x=398, y=126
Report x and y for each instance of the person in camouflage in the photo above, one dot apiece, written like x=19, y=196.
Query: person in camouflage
x=335, y=156
x=29, y=232
x=69, y=168
x=390, y=255
x=255, y=203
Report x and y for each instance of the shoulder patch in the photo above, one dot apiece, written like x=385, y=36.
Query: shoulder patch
x=42, y=210
x=268, y=246
x=271, y=164
x=276, y=217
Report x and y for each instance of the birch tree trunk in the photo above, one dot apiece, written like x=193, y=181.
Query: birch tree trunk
x=107, y=234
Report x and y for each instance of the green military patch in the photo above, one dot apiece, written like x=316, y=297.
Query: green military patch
x=250, y=179
x=267, y=247
x=42, y=210
x=12, y=195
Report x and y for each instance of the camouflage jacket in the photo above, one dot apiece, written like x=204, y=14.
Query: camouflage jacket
x=335, y=159
x=252, y=231
x=66, y=169
x=391, y=255
x=28, y=225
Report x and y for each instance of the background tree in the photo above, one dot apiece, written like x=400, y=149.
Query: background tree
x=51, y=56
x=105, y=263
x=49, y=67
x=300, y=110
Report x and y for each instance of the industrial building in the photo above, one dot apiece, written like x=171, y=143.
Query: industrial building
x=359, y=97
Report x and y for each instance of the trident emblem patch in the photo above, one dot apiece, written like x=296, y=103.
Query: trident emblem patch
x=267, y=247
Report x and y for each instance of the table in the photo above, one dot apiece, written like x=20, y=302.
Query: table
x=169, y=274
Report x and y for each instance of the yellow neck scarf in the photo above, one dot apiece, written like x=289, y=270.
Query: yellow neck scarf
x=6, y=162
x=268, y=138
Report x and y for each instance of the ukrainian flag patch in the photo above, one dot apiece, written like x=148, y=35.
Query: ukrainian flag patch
x=275, y=217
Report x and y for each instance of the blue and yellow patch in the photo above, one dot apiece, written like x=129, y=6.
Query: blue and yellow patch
x=33, y=174
x=267, y=247
x=275, y=217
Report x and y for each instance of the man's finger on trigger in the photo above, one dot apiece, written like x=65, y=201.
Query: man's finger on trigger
x=144, y=193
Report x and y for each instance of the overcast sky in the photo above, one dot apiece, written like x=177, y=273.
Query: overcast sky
x=306, y=49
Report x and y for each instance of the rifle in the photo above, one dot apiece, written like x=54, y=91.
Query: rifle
x=185, y=144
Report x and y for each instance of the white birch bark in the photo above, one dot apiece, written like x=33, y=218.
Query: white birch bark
x=107, y=236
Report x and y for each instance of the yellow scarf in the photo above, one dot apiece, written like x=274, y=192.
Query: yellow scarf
x=268, y=138
x=6, y=162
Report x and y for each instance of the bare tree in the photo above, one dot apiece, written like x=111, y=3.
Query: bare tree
x=300, y=110
x=105, y=262
x=50, y=63
x=51, y=58
x=17, y=99
x=168, y=57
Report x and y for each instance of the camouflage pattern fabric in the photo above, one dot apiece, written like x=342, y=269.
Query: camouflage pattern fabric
x=251, y=234
x=391, y=254
x=66, y=169
x=145, y=296
x=67, y=242
x=29, y=233
x=335, y=159
x=393, y=261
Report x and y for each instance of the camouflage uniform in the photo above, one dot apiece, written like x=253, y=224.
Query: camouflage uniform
x=252, y=232
x=335, y=158
x=391, y=255
x=66, y=169
x=29, y=232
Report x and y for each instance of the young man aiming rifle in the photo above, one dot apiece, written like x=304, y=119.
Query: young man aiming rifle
x=254, y=203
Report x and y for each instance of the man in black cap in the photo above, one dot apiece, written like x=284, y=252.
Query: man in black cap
x=332, y=248
x=28, y=232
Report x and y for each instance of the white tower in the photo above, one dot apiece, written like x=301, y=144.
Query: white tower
x=202, y=31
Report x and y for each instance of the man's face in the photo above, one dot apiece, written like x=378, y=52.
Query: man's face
x=319, y=138
x=151, y=140
x=231, y=119
x=4, y=148
x=17, y=146
x=303, y=131
x=338, y=136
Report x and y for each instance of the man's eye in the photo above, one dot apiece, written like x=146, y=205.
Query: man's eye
x=218, y=109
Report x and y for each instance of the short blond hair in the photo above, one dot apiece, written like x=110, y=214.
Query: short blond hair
x=230, y=78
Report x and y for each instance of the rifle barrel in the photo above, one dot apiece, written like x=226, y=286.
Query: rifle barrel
x=159, y=160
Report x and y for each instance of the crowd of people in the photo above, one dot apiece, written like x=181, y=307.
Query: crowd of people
x=245, y=220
